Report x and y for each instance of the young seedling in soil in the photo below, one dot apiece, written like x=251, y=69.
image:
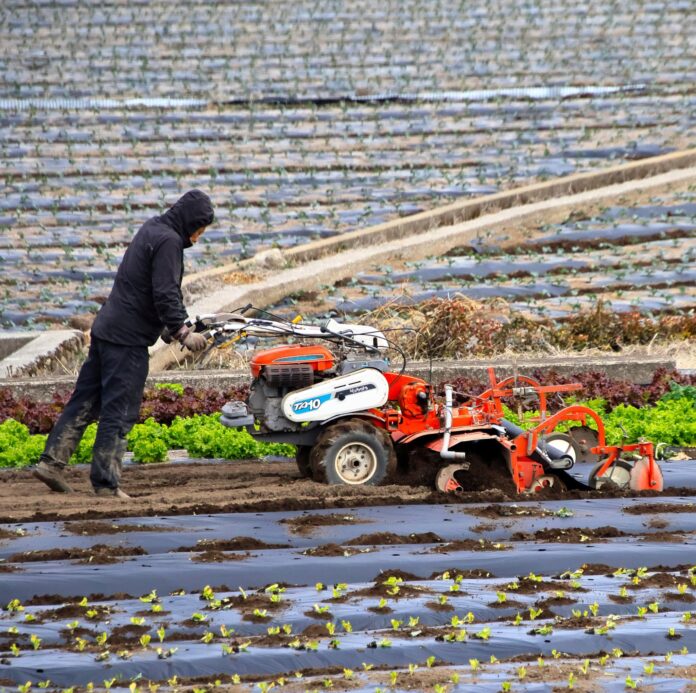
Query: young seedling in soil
x=483, y=634
x=102, y=638
x=382, y=607
x=149, y=598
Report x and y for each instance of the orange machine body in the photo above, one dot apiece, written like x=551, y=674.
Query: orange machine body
x=412, y=413
x=316, y=355
x=421, y=418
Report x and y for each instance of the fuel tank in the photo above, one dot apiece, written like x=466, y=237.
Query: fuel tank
x=317, y=356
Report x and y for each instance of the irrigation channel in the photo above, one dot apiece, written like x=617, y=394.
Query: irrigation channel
x=408, y=595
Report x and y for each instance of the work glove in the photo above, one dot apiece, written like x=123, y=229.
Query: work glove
x=166, y=336
x=194, y=341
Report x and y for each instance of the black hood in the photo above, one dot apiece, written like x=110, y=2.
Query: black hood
x=189, y=213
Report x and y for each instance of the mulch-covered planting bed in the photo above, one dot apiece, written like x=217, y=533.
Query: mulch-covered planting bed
x=636, y=255
x=249, y=597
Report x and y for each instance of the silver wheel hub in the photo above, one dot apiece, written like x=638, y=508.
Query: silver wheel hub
x=356, y=463
x=563, y=447
x=616, y=474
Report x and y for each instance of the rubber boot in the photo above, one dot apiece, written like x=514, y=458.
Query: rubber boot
x=52, y=476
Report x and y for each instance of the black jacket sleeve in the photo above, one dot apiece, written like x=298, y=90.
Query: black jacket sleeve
x=167, y=271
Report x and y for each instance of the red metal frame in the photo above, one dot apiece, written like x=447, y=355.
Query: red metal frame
x=487, y=409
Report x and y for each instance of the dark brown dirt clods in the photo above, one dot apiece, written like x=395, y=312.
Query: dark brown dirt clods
x=128, y=634
x=655, y=580
x=570, y=535
x=99, y=553
x=234, y=544
x=496, y=510
x=220, y=556
x=395, y=573
x=668, y=537
x=333, y=550
x=9, y=533
x=470, y=545
x=656, y=508
x=306, y=524
x=391, y=538
x=597, y=569
x=97, y=613
x=466, y=573
x=92, y=528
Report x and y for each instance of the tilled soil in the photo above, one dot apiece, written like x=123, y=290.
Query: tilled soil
x=213, y=487
x=187, y=488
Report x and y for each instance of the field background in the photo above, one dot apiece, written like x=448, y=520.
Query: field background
x=305, y=119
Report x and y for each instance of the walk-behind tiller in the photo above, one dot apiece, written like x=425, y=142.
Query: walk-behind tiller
x=356, y=422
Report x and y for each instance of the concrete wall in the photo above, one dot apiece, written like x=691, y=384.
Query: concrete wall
x=22, y=351
x=635, y=370
x=433, y=232
x=13, y=341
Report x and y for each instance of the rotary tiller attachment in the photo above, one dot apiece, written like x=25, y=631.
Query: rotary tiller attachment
x=446, y=482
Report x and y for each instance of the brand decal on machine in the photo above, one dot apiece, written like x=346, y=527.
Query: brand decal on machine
x=357, y=389
x=311, y=404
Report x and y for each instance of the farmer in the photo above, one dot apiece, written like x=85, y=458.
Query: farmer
x=145, y=301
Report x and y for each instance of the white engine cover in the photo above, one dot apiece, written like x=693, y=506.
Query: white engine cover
x=363, y=389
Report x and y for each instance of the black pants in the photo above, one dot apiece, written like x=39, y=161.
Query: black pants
x=110, y=389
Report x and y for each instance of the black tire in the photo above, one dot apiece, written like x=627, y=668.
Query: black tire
x=620, y=470
x=302, y=459
x=354, y=453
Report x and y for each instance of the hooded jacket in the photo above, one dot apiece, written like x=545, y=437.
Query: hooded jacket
x=146, y=296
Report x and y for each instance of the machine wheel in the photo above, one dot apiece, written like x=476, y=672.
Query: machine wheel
x=619, y=475
x=563, y=444
x=543, y=482
x=586, y=438
x=302, y=459
x=353, y=453
x=640, y=480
